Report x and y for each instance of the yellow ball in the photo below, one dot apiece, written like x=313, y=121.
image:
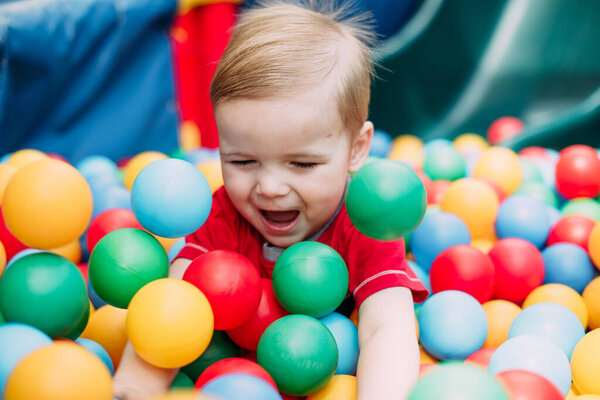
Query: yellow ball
x=340, y=387
x=474, y=202
x=6, y=173
x=138, y=163
x=169, y=323
x=470, y=143
x=166, y=243
x=501, y=166
x=588, y=397
x=213, y=173
x=24, y=157
x=500, y=315
x=181, y=394
x=71, y=251
x=63, y=370
x=560, y=294
x=2, y=258
x=106, y=326
x=47, y=204
x=585, y=363
x=591, y=297
x=483, y=244
x=594, y=245
x=407, y=148
x=425, y=357
x=189, y=136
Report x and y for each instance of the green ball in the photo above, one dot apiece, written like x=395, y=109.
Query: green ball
x=583, y=206
x=540, y=191
x=219, y=348
x=386, y=200
x=458, y=381
x=530, y=171
x=444, y=163
x=181, y=381
x=299, y=352
x=310, y=278
x=2, y=320
x=124, y=261
x=48, y=292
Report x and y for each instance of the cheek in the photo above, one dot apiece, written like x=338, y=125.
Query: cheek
x=237, y=183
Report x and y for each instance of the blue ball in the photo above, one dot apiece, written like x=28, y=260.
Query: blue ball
x=421, y=274
x=453, y=325
x=175, y=249
x=568, y=264
x=99, y=351
x=346, y=337
x=96, y=165
x=554, y=214
x=552, y=321
x=240, y=387
x=17, y=341
x=94, y=298
x=437, y=232
x=111, y=196
x=534, y=354
x=523, y=217
x=380, y=144
x=200, y=155
x=171, y=198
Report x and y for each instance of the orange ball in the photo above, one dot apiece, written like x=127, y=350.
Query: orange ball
x=591, y=297
x=106, y=326
x=24, y=157
x=501, y=166
x=71, y=251
x=137, y=164
x=470, y=143
x=189, y=136
x=594, y=245
x=425, y=357
x=6, y=173
x=407, y=148
x=560, y=294
x=63, y=370
x=181, y=394
x=47, y=204
x=500, y=315
x=339, y=387
x=2, y=258
x=213, y=173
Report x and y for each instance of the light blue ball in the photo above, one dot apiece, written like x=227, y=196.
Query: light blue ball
x=534, y=354
x=200, y=155
x=552, y=321
x=435, y=144
x=437, y=232
x=523, y=217
x=99, y=351
x=554, y=214
x=240, y=387
x=17, y=341
x=380, y=144
x=94, y=298
x=175, y=249
x=453, y=325
x=346, y=337
x=96, y=165
x=171, y=198
x=112, y=196
x=568, y=264
x=421, y=274
x=22, y=254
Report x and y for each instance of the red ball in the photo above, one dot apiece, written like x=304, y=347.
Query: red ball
x=465, y=268
x=534, y=153
x=108, y=221
x=481, y=357
x=426, y=183
x=525, y=385
x=268, y=311
x=11, y=244
x=425, y=368
x=436, y=191
x=504, y=128
x=574, y=229
x=233, y=365
x=84, y=269
x=578, y=172
x=519, y=268
x=230, y=282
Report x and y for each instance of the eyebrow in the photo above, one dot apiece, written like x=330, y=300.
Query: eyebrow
x=287, y=155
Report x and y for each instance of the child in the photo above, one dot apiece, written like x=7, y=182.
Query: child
x=291, y=97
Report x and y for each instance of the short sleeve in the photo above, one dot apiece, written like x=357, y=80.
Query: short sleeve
x=219, y=231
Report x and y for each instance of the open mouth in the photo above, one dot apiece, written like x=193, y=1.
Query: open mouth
x=280, y=220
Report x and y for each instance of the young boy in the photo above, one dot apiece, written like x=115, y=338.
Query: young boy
x=291, y=97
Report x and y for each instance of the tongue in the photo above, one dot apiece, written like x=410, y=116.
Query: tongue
x=280, y=216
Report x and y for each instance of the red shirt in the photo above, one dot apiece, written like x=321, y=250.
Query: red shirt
x=372, y=265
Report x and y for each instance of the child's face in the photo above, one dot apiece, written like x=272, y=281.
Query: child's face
x=285, y=162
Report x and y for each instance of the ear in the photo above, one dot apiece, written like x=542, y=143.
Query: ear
x=360, y=147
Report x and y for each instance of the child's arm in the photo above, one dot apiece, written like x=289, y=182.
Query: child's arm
x=388, y=366
x=136, y=379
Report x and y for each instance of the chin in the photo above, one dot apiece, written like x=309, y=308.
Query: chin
x=283, y=241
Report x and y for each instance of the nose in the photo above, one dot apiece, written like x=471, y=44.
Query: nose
x=270, y=185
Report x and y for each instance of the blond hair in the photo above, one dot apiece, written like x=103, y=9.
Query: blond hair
x=284, y=47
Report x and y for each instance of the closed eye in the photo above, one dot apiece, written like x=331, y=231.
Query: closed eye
x=241, y=163
x=304, y=164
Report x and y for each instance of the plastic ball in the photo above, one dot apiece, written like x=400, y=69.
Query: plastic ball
x=465, y=268
x=534, y=153
x=582, y=206
x=108, y=221
x=408, y=149
x=436, y=191
x=16, y=342
x=123, y=261
x=474, y=202
x=213, y=173
x=171, y=198
x=437, y=232
x=164, y=314
x=444, y=163
x=500, y=315
x=268, y=311
x=470, y=143
x=568, y=264
x=230, y=282
x=340, y=387
x=182, y=394
x=585, y=363
x=6, y=173
x=62, y=370
x=530, y=171
x=345, y=334
x=504, y=128
x=300, y=353
x=99, y=351
x=458, y=381
x=525, y=385
x=112, y=196
x=593, y=245
x=519, y=268
x=310, y=278
x=96, y=165
x=554, y=214
x=500, y=165
x=591, y=297
x=551, y=321
x=24, y=157
x=2, y=258
x=381, y=144
x=386, y=200
x=234, y=365
x=46, y=291
x=539, y=191
x=175, y=249
x=47, y=204
x=138, y=163
x=107, y=328
x=181, y=381
x=241, y=387
x=189, y=134
x=453, y=325
x=481, y=357
x=574, y=229
x=421, y=274
x=523, y=217
x=22, y=254
x=578, y=172
x=559, y=294
x=71, y=251
x=219, y=348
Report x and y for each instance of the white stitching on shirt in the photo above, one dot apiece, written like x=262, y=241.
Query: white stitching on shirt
x=197, y=247
x=382, y=273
